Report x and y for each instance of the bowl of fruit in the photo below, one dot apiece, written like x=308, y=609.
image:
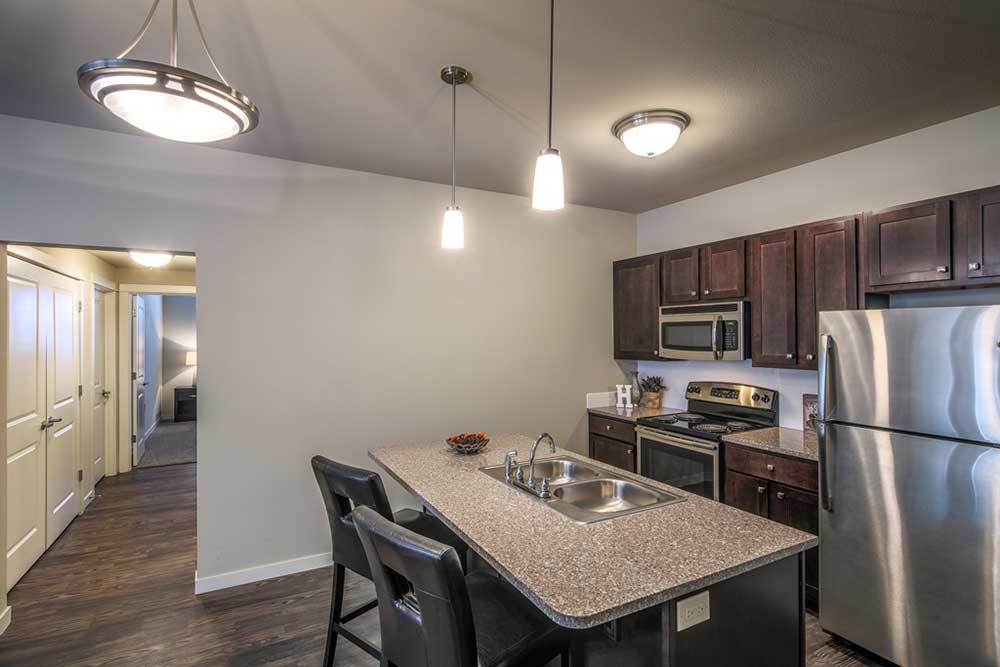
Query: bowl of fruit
x=468, y=443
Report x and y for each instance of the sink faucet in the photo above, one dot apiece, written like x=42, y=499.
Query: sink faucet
x=534, y=449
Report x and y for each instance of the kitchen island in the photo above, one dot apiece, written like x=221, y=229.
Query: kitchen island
x=628, y=568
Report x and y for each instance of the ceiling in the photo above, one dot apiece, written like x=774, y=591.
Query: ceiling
x=769, y=83
x=121, y=259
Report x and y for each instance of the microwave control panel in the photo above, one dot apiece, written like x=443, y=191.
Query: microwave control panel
x=730, y=335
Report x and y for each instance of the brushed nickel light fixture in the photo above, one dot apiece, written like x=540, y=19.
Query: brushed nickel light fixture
x=165, y=100
x=453, y=228
x=651, y=133
x=547, y=192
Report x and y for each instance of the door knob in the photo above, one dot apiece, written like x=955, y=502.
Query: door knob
x=106, y=394
x=50, y=422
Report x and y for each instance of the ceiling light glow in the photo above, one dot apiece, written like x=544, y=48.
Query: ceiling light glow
x=651, y=133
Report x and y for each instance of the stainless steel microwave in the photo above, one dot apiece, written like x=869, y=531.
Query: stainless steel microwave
x=704, y=332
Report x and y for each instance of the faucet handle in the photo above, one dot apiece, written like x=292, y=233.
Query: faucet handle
x=508, y=463
x=543, y=488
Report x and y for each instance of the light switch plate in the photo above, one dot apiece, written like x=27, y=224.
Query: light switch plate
x=692, y=611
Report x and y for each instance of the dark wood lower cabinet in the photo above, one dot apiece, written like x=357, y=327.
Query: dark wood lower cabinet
x=774, y=497
x=613, y=452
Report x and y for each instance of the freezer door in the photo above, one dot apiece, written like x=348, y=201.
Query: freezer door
x=922, y=370
x=910, y=554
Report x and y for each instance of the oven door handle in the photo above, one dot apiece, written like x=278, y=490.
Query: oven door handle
x=676, y=440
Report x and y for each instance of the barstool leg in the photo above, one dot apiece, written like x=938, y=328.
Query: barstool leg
x=336, y=606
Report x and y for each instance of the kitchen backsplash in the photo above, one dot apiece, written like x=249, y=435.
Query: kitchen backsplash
x=790, y=384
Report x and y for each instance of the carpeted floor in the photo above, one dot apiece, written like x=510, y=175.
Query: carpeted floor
x=171, y=443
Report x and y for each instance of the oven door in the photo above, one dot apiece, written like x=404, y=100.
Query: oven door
x=687, y=463
x=714, y=332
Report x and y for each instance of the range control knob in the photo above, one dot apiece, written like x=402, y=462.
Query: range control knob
x=756, y=397
x=766, y=398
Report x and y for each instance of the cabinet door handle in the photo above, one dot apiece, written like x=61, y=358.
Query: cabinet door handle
x=629, y=451
x=694, y=292
x=781, y=495
x=810, y=357
x=770, y=467
x=707, y=292
x=790, y=356
x=607, y=427
x=974, y=266
x=761, y=490
x=942, y=269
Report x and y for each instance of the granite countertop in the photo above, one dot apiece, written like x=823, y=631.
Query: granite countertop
x=582, y=575
x=633, y=414
x=786, y=441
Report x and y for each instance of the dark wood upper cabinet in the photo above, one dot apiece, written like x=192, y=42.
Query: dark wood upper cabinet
x=680, y=269
x=636, y=293
x=910, y=244
x=983, y=235
x=772, y=290
x=827, y=277
x=723, y=270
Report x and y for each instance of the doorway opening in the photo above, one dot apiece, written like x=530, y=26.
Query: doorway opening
x=69, y=405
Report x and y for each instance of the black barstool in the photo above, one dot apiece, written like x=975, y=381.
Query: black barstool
x=433, y=615
x=345, y=488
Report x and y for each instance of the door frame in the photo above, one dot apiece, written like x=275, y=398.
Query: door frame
x=110, y=374
x=4, y=608
x=125, y=408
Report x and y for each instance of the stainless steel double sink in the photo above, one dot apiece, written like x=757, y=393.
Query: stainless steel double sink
x=589, y=493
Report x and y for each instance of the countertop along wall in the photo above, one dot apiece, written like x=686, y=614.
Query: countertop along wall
x=962, y=154
x=326, y=291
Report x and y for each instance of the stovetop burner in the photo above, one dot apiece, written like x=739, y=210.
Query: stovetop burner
x=710, y=428
x=689, y=417
x=736, y=427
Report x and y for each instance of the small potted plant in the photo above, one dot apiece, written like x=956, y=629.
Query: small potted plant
x=652, y=388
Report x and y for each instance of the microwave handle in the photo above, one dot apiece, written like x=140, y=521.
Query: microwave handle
x=717, y=329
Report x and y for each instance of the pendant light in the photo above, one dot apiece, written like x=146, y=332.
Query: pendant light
x=453, y=228
x=165, y=100
x=547, y=192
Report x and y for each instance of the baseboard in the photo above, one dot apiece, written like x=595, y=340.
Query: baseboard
x=249, y=575
x=5, y=617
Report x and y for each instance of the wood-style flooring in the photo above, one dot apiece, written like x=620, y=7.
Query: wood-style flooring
x=118, y=589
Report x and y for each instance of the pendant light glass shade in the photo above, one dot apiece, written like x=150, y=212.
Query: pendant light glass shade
x=165, y=100
x=650, y=133
x=453, y=229
x=547, y=191
x=151, y=260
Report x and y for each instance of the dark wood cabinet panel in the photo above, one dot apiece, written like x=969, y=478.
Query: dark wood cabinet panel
x=612, y=452
x=910, y=244
x=615, y=429
x=772, y=312
x=723, y=270
x=680, y=275
x=799, y=509
x=983, y=235
x=797, y=472
x=826, y=276
x=636, y=293
x=747, y=493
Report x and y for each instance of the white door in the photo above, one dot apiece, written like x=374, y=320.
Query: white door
x=101, y=389
x=42, y=412
x=25, y=413
x=139, y=375
x=63, y=404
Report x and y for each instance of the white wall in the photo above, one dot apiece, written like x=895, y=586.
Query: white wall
x=329, y=320
x=963, y=154
x=179, y=337
x=154, y=361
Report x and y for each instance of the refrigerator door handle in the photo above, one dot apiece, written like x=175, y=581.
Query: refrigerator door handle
x=825, y=412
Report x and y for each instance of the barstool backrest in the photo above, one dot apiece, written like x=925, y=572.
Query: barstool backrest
x=423, y=602
x=344, y=488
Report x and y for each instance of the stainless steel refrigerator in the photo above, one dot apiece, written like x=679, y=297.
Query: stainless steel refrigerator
x=909, y=421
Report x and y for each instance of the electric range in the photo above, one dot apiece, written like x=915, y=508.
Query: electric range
x=683, y=449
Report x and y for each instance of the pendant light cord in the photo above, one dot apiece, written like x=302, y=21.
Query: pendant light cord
x=173, y=36
x=454, y=122
x=552, y=33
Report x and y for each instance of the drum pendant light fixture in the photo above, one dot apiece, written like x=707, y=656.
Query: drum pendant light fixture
x=453, y=228
x=547, y=192
x=165, y=100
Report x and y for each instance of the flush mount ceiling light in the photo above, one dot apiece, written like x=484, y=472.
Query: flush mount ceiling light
x=165, y=100
x=547, y=193
x=151, y=260
x=453, y=228
x=650, y=133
